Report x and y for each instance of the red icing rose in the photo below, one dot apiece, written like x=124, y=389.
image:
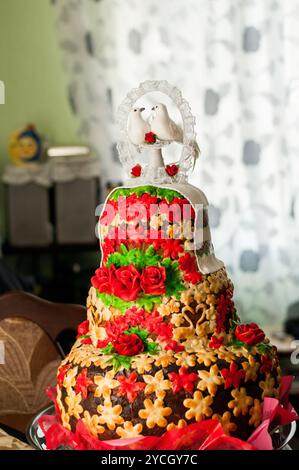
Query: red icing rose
x=83, y=328
x=103, y=279
x=128, y=345
x=172, y=169
x=153, y=280
x=150, y=137
x=126, y=284
x=136, y=171
x=249, y=334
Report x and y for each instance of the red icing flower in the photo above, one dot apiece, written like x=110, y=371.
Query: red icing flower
x=174, y=346
x=150, y=137
x=103, y=279
x=194, y=277
x=136, y=171
x=267, y=364
x=187, y=263
x=126, y=284
x=172, y=169
x=129, y=386
x=108, y=214
x=232, y=376
x=171, y=247
x=102, y=343
x=152, y=322
x=86, y=341
x=61, y=374
x=215, y=342
x=82, y=383
x=224, y=307
x=116, y=328
x=250, y=334
x=153, y=280
x=83, y=328
x=183, y=380
x=135, y=316
x=164, y=331
x=128, y=345
x=109, y=247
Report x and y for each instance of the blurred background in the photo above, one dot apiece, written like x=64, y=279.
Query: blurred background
x=65, y=67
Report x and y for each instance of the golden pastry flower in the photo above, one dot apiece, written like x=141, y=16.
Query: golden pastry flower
x=226, y=354
x=199, y=406
x=180, y=425
x=105, y=384
x=256, y=413
x=251, y=368
x=93, y=424
x=209, y=380
x=165, y=359
x=69, y=380
x=110, y=415
x=226, y=423
x=206, y=357
x=267, y=386
x=142, y=364
x=154, y=413
x=241, y=402
x=186, y=360
x=73, y=401
x=156, y=384
x=128, y=430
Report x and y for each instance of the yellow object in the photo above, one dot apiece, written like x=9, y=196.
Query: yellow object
x=25, y=146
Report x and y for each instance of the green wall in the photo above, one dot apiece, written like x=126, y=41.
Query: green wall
x=32, y=71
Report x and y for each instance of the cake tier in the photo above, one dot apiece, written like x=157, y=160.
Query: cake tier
x=159, y=392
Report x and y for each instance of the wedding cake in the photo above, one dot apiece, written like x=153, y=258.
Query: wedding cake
x=162, y=346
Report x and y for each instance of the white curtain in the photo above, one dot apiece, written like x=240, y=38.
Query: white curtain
x=237, y=63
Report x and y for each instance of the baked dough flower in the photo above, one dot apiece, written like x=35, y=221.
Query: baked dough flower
x=209, y=380
x=105, y=384
x=129, y=430
x=154, y=413
x=241, y=402
x=156, y=384
x=199, y=407
x=110, y=415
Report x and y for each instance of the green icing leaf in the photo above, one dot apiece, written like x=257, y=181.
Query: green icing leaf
x=173, y=277
x=120, y=362
x=115, y=302
x=264, y=348
x=151, y=347
x=148, y=301
x=143, y=334
x=237, y=344
x=139, y=258
x=108, y=349
x=163, y=193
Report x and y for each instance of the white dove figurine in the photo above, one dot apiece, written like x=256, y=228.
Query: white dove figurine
x=137, y=126
x=163, y=126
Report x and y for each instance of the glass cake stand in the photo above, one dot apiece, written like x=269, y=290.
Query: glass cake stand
x=281, y=436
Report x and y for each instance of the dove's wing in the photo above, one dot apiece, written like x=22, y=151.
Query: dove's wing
x=176, y=131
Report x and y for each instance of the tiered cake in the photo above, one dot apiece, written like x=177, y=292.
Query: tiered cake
x=162, y=346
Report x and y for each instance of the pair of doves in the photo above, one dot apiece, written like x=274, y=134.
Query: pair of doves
x=159, y=123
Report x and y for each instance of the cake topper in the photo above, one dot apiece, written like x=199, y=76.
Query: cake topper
x=138, y=135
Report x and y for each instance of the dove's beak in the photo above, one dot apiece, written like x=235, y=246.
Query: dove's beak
x=142, y=109
x=153, y=108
